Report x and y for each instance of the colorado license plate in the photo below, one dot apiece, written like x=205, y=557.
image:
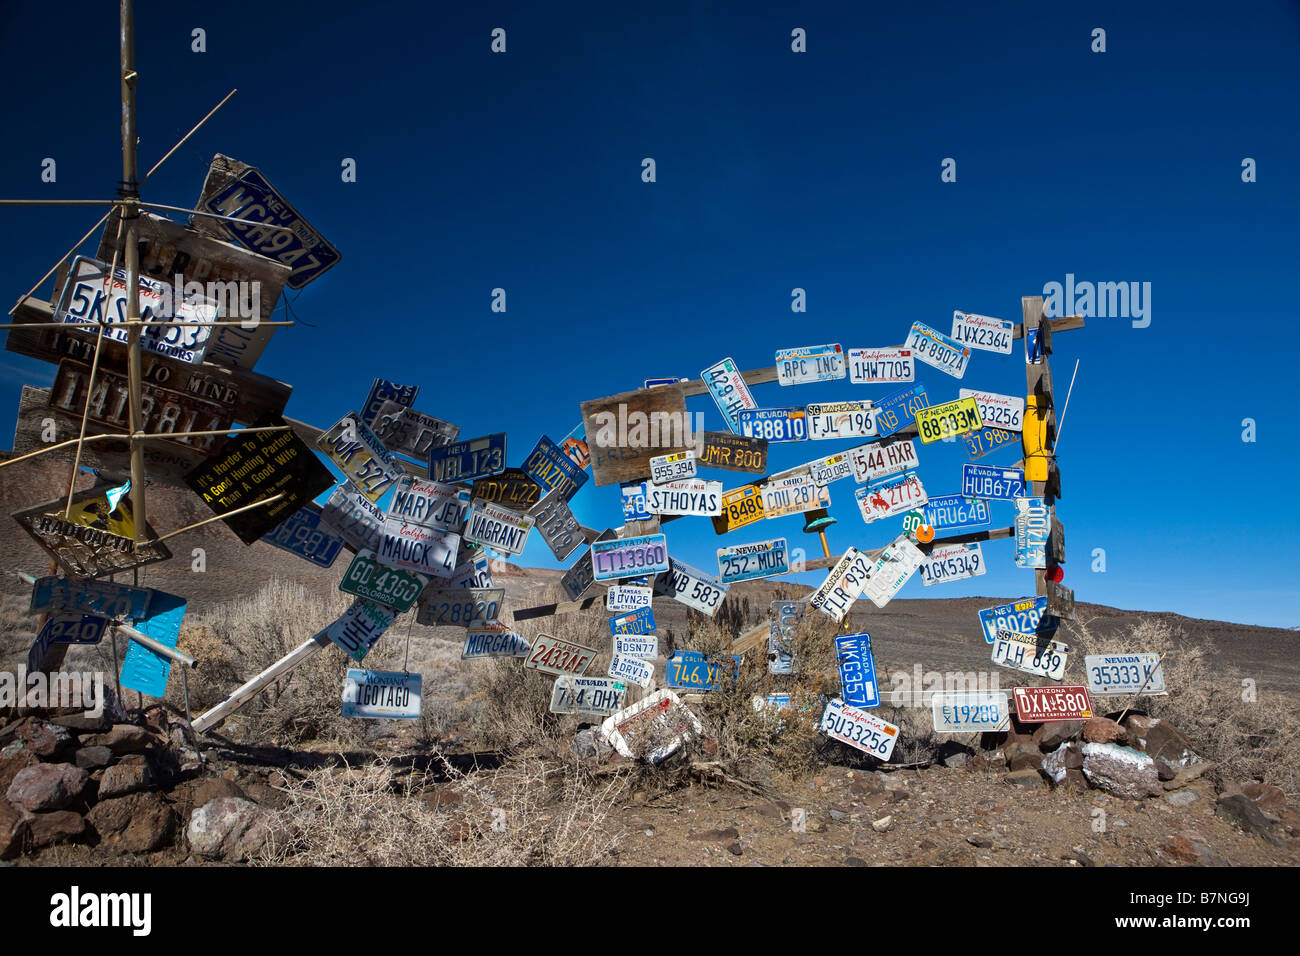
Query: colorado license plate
x=997, y=410
x=369, y=579
x=624, y=557
x=815, y=363
x=859, y=728
x=729, y=391
x=1024, y=653
x=743, y=562
x=878, y=366
x=773, y=424
x=841, y=420
x=947, y=420
x=959, y=712
x=936, y=349
x=952, y=562
x=988, y=481
x=982, y=332
x=954, y=513
x=463, y=461
x=890, y=496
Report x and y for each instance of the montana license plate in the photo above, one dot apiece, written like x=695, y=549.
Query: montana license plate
x=982, y=332
x=939, y=422
x=386, y=695
x=774, y=424
x=936, y=349
x=463, y=461
x=830, y=420
x=880, y=366
x=952, y=562
x=744, y=562
x=815, y=363
x=891, y=496
x=624, y=557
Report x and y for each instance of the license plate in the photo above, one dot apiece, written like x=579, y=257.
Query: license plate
x=980, y=443
x=303, y=534
x=989, y=481
x=744, y=562
x=463, y=461
x=644, y=647
x=936, y=349
x=371, y=580
x=556, y=656
x=890, y=496
x=732, y=452
x=843, y=585
x=692, y=587
x=386, y=695
x=412, y=548
x=493, y=640
x=691, y=670
x=781, y=635
x=581, y=574
x=72, y=629
x=689, y=496
x=774, y=424
x=575, y=446
x=841, y=420
x=354, y=517
x=953, y=513
x=633, y=494
x=879, y=460
x=832, y=468
x=898, y=409
x=787, y=496
x=858, y=686
x=815, y=363
x=143, y=669
x=632, y=669
x=1024, y=653
x=429, y=504
x=359, y=454
x=859, y=728
x=879, y=366
x=600, y=696
x=740, y=506
x=896, y=564
x=622, y=597
x=963, y=713
x=1032, y=531
x=1125, y=674
x=729, y=391
x=982, y=332
x=408, y=432
x=661, y=382
x=651, y=729
x=382, y=391
x=780, y=654
x=665, y=468
x=472, y=569
x=1033, y=352
x=640, y=621
x=498, y=528
x=1022, y=616
x=118, y=602
x=359, y=627
x=624, y=557
x=90, y=296
x=997, y=410
x=560, y=529
x=948, y=420
x=1035, y=705
x=510, y=487
x=553, y=470
x=952, y=562
x=460, y=607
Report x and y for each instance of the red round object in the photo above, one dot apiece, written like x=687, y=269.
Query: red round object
x=1056, y=575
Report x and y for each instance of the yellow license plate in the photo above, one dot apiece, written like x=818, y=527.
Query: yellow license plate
x=740, y=506
x=948, y=420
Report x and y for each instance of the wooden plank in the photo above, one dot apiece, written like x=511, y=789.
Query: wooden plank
x=626, y=430
x=753, y=639
x=1031, y=307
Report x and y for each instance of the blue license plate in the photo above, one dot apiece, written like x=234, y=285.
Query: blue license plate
x=640, y=621
x=553, y=470
x=691, y=670
x=1033, y=523
x=857, y=670
x=989, y=481
x=118, y=602
x=463, y=461
x=743, y=562
x=73, y=629
x=634, y=502
x=382, y=390
x=1020, y=616
x=774, y=424
x=957, y=513
x=302, y=534
x=143, y=669
x=979, y=443
x=898, y=409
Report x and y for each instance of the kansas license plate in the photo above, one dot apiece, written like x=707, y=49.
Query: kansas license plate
x=688, y=496
x=1022, y=616
x=1023, y=652
x=952, y=562
x=626, y=597
x=774, y=424
x=459, y=607
x=493, y=640
x=553, y=470
x=896, y=564
x=1032, y=531
x=859, y=728
x=997, y=410
x=936, y=349
x=744, y=562
x=982, y=332
x=463, y=461
x=556, y=656
x=954, y=513
x=386, y=695
x=429, y=504
x=948, y=420
x=841, y=420
x=787, y=496
x=303, y=534
x=740, y=506
x=989, y=481
x=890, y=496
x=858, y=685
x=392, y=587
x=640, y=621
x=1036, y=705
x=664, y=468
x=831, y=468
x=691, y=670
x=634, y=669
x=879, y=460
x=815, y=363
x=957, y=712
x=359, y=454
x=412, y=548
x=879, y=366
x=498, y=528
x=729, y=391
x=642, y=646
x=843, y=584
x=898, y=409
x=600, y=696
x=560, y=529
x=1125, y=674
x=624, y=557
x=692, y=587
x=980, y=443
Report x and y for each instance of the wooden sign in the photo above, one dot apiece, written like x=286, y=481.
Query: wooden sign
x=734, y=453
x=511, y=488
x=249, y=468
x=95, y=537
x=626, y=430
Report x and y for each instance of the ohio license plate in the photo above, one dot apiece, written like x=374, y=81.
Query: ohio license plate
x=740, y=506
x=843, y=584
x=936, y=349
x=859, y=728
x=1023, y=652
x=634, y=669
x=958, y=712
x=493, y=640
x=989, y=481
x=429, y=504
x=1125, y=674
x=691, y=670
x=841, y=420
x=831, y=468
x=624, y=557
x=642, y=646
x=891, y=496
x=627, y=597
x=896, y=564
x=600, y=696
x=997, y=410
x=879, y=460
x=947, y=420
x=1032, y=531
x=787, y=496
x=560, y=529
x=1021, y=616
x=858, y=686
x=743, y=562
x=729, y=391
x=898, y=409
x=556, y=656
x=985, y=440
x=463, y=461
x=688, y=496
x=640, y=621
x=815, y=363
x=553, y=470
x=879, y=366
x=692, y=587
x=1036, y=705
x=498, y=528
x=952, y=562
x=459, y=607
x=982, y=332
x=774, y=424
x=953, y=513
x=361, y=456
x=385, y=695
x=664, y=468
x=303, y=534
x=369, y=579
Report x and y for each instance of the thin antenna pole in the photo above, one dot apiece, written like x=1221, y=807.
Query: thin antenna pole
x=1061, y=424
x=169, y=152
x=130, y=211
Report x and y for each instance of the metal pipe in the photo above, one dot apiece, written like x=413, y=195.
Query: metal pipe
x=145, y=641
x=250, y=688
x=130, y=210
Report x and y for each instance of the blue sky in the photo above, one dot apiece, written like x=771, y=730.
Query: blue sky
x=775, y=170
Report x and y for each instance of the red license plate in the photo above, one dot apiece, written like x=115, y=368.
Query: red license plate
x=1034, y=705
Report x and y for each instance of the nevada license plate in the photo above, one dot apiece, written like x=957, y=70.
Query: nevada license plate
x=898, y=409
x=896, y=564
x=890, y=496
x=626, y=597
x=997, y=410
x=789, y=496
x=832, y=468
x=408, y=432
x=556, y=656
x=692, y=587
x=982, y=332
x=369, y=579
x=985, y=440
x=729, y=391
x=858, y=686
x=463, y=461
x=498, y=528
x=691, y=670
x=740, y=506
x=553, y=470
x=1023, y=652
x=303, y=534
x=359, y=454
x=664, y=468
x=640, y=621
x=815, y=363
x=493, y=640
x=843, y=584
x=353, y=516
x=642, y=646
x=773, y=424
x=634, y=669
x=1032, y=532
x=429, y=504
x=859, y=728
x=624, y=557
x=947, y=420
x=879, y=460
x=989, y=481
x=936, y=349
x=600, y=696
x=954, y=513
x=878, y=366
x=688, y=496
x=1036, y=705
x=841, y=420
x=952, y=562
x=743, y=562
x=959, y=712
x=386, y=695
x=1021, y=616
x=1125, y=674
x=459, y=607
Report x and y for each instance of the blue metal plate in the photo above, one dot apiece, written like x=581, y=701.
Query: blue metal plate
x=691, y=670
x=463, y=461
x=857, y=670
x=985, y=440
x=640, y=621
x=1021, y=616
x=142, y=669
x=955, y=513
x=302, y=534
x=773, y=424
x=117, y=602
x=553, y=470
x=898, y=409
x=990, y=481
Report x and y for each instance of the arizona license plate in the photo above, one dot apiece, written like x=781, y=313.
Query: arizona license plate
x=729, y=391
x=774, y=424
x=831, y=468
x=743, y=562
x=858, y=686
x=1022, y=616
x=626, y=597
x=815, y=363
x=692, y=587
x=879, y=366
x=600, y=696
x=891, y=496
x=463, y=461
x=642, y=646
x=634, y=669
x=493, y=640
x=982, y=332
x=624, y=557
x=498, y=528
x=947, y=420
x=303, y=534
x=1032, y=531
x=640, y=621
x=429, y=504
x=859, y=728
x=936, y=349
x=361, y=456
x=997, y=410
x=560, y=529
x=898, y=409
x=952, y=562
x=740, y=506
x=386, y=695
x=1036, y=705
x=689, y=496
x=841, y=420
x=954, y=513
x=1125, y=674
x=553, y=470
x=665, y=468
x=989, y=481
x=556, y=656
x=369, y=579
x=985, y=440
x=1023, y=652
x=691, y=670
x=879, y=460
x=959, y=712
x=843, y=584
x=359, y=627
x=459, y=607
x=896, y=564
x=787, y=496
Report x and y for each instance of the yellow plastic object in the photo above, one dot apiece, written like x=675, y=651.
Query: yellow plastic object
x=1034, y=438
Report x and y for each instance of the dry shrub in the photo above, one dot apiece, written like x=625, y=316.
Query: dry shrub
x=523, y=814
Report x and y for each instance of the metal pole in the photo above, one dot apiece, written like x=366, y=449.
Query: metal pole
x=130, y=211
x=145, y=641
x=249, y=690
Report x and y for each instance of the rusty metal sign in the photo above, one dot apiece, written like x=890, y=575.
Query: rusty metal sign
x=95, y=537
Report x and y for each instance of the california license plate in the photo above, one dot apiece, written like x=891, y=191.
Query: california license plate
x=947, y=420
x=982, y=332
x=952, y=562
x=459, y=607
x=997, y=410
x=774, y=424
x=740, y=506
x=624, y=557
x=692, y=587
x=1022, y=616
x=553, y=470
x=1023, y=652
x=640, y=621
x=664, y=468
x=890, y=496
x=859, y=728
x=830, y=420
x=691, y=670
x=831, y=468
x=498, y=528
x=634, y=669
x=744, y=562
x=989, y=481
x=556, y=656
x=422, y=550
x=936, y=349
x=815, y=363
x=895, y=566
x=729, y=391
x=689, y=496
x=1032, y=531
x=633, y=494
x=1125, y=674
x=959, y=712
x=732, y=452
x=361, y=456
x=898, y=409
x=980, y=443
x=879, y=366
x=463, y=461
x=953, y=513
x=879, y=460
x=369, y=579
x=786, y=496
x=429, y=504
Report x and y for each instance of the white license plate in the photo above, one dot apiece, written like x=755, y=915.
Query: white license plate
x=729, y=391
x=815, y=363
x=877, y=460
x=353, y=517
x=982, y=332
x=690, y=496
x=493, y=640
x=843, y=584
x=788, y=496
x=1033, y=527
x=498, y=528
x=997, y=410
x=429, y=504
x=412, y=548
x=937, y=350
x=560, y=529
x=632, y=669
x=1125, y=674
x=652, y=728
x=360, y=626
x=743, y=562
x=691, y=587
x=832, y=468
x=360, y=455
x=859, y=728
x=952, y=562
x=879, y=366
x=627, y=557
x=625, y=597
x=665, y=468
x=830, y=420
x=459, y=607
x=1023, y=653
x=774, y=424
x=387, y=695
x=642, y=646
x=896, y=564
x=600, y=696
x=970, y=712
x=891, y=496
x=556, y=656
